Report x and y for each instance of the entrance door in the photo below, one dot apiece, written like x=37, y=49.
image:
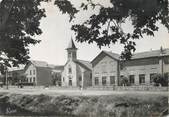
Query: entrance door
x=70, y=81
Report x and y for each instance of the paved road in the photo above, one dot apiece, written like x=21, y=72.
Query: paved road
x=72, y=92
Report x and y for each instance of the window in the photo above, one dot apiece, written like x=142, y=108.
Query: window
x=112, y=79
x=34, y=72
x=33, y=79
x=152, y=77
x=63, y=79
x=142, y=78
x=30, y=79
x=26, y=79
x=91, y=76
x=30, y=72
x=104, y=80
x=69, y=54
x=80, y=78
x=96, y=80
x=70, y=70
x=70, y=81
x=131, y=79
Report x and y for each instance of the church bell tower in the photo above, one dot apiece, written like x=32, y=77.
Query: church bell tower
x=71, y=51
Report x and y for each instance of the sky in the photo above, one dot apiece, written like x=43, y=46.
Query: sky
x=57, y=34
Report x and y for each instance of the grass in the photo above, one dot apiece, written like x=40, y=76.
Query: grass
x=124, y=104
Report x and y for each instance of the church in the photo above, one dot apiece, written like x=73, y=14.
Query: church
x=76, y=73
x=107, y=69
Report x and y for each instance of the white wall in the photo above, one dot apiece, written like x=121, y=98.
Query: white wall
x=106, y=67
x=66, y=74
x=29, y=76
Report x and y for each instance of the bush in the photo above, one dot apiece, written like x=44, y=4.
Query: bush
x=160, y=79
x=124, y=81
x=25, y=84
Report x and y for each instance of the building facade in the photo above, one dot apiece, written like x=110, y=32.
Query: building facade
x=105, y=69
x=38, y=73
x=108, y=69
x=76, y=73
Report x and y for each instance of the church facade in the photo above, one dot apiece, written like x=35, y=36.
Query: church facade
x=76, y=73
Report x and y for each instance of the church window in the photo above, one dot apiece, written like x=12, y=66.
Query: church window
x=70, y=70
x=69, y=54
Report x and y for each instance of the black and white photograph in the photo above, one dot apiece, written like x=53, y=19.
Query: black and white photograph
x=84, y=58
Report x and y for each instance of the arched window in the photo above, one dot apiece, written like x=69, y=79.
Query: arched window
x=69, y=70
x=69, y=54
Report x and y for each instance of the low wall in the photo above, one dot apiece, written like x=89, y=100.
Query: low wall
x=129, y=88
x=115, y=88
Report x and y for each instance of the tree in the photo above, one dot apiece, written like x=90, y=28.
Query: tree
x=160, y=79
x=124, y=81
x=19, y=23
x=106, y=27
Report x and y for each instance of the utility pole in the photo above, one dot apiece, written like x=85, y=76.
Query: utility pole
x=6, y=77
x=162, y=61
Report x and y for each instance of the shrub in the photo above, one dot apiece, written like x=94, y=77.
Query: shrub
x=160, y=79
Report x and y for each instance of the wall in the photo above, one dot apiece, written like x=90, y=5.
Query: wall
x=79, y=71
x=44, y=76
x=106, y=67
x=31, y=68
x=143, y=66
x=66, y=74
x=87, y=78
x=166, y=65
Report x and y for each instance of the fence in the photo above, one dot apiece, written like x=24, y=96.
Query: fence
x=129, y=88
x=113, y=88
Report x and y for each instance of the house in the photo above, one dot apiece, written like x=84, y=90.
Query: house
x=14, y=76
x=76, y=73
x=38, y=73
x=108, y=68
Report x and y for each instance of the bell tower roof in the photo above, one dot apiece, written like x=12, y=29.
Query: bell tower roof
x=71, y=45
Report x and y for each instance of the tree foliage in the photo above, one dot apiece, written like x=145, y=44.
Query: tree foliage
x=124, y=81
x=161, y=79
x=106, y=27
x=19, y=23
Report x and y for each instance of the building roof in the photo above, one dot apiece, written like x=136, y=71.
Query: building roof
x=147, y=54
x=21, y=67
x=102, y=54
x=153, y=53
x=51, y=66
x=71, y=45
x=39, y=63
x=85, y=64
x=112, y=55
x=61, y=67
